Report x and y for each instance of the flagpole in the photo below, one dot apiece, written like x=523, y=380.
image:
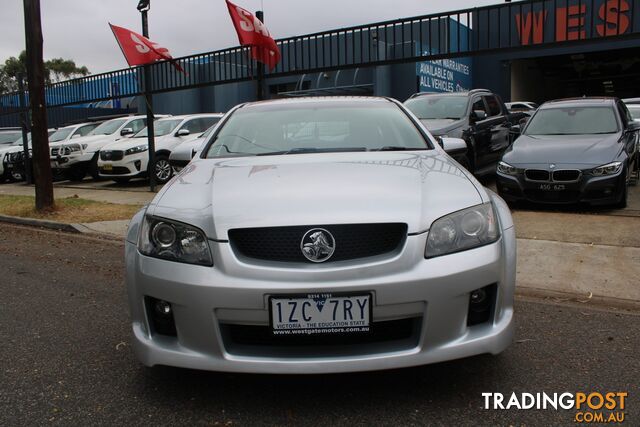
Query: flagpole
x=260, y=77
x=144, y=7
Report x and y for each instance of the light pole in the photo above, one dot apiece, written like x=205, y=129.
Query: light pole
x=143, y=8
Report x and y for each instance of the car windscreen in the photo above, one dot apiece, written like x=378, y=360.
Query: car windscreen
x=109, y=127
x=60, y=134
x=160, y=128
x=572, y=121
x=18, y=142
x=316, y=127
x=438, y=107
x=634, y=110
x=9, y=137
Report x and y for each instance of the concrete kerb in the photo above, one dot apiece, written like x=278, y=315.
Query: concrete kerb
x=57, y=226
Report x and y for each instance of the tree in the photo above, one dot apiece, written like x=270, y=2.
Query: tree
x=55, y=69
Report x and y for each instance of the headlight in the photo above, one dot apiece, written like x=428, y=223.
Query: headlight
x=507, y=169
x=173, y=241
x=462, y=230
x=136, y=149
x=608, y=169
x=65, y=150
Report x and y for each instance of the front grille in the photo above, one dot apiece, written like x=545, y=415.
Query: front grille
x=537, y=175
x=566, y=175
x=111, y=155
x=15, y=157
x=393, y=335
x=352, y=241
x=117, y=170
x=552, y=196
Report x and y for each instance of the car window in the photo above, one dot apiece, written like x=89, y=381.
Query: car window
x=60, y=134
x=438, y=107
x=137, y=125
x=84, y=130
x=9, y=137
x=493, y=105
x=634, y=111
x=108, y=127
x=572, y=121
x=479, y=106
x=160, y=128
x=199, y=125
x=329, y=126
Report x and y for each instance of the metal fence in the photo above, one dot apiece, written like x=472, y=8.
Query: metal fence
x=518, y=25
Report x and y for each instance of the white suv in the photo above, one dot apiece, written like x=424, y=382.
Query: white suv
x=126, y=159
x=15, y=157
x=78, y=157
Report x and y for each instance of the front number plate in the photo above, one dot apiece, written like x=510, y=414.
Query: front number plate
x=320, y=313
x=553, y=187
x=107, y=166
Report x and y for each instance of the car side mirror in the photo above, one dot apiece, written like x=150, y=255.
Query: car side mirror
x=126, y=131
x=454, y=146
x=183, y=132
x=478, y=115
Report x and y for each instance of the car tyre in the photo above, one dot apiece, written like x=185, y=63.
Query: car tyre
x=93, y=168
x=16, y=176
x=163, y=171
x=622, y=203
x=76, y=174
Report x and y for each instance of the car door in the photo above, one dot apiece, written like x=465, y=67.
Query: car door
x=480, y=132
x=498, y=125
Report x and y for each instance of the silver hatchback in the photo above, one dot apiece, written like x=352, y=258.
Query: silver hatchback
x=320, y=235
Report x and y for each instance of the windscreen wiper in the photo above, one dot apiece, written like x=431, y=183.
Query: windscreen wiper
x=398, y=148
x=305, y=150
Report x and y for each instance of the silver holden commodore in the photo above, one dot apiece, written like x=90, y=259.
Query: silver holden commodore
x=320, y=235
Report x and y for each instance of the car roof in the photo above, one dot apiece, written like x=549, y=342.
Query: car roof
x=580, y=102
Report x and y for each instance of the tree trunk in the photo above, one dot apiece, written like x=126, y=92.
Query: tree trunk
x=40, y=139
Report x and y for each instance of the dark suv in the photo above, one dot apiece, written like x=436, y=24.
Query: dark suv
x=478, y=116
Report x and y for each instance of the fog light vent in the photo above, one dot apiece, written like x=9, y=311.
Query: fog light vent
x=481, y=304
x=160, y=314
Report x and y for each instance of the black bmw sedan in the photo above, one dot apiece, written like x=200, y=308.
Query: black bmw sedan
x=570, y=151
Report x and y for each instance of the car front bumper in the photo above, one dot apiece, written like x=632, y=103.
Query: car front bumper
x=208, y=302
x=595, y=190
x=130, y=166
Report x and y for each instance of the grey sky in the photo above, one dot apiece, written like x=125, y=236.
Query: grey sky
x=78, y=29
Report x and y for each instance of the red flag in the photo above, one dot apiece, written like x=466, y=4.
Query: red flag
x=252, y=32
x=139, y=50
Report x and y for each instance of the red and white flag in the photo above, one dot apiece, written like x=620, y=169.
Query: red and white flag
x=252, y=32
x=139, y=50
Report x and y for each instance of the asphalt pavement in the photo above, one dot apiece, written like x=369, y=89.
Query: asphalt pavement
x=66, y=359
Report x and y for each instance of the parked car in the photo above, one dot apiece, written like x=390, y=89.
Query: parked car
x=318, y=235
x=479, y=117
x=8, y=136
x=14, y=170
x=79, y=157
x=183, y=153
x=573, y=150
x=521, y=106
x=634, y=107
x=123, y=160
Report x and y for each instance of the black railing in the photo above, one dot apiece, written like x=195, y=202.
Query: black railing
x=451, y=34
